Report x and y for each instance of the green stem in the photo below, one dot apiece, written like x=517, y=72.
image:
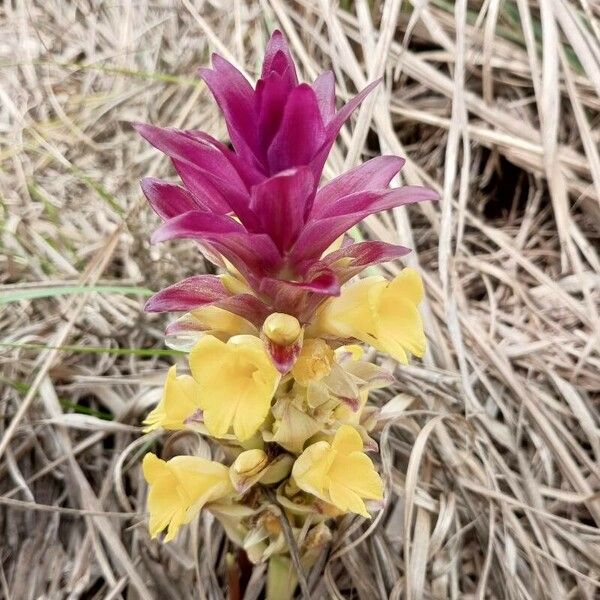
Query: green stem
x=281, y=579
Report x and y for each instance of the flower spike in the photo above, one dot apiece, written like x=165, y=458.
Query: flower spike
x=279, y=383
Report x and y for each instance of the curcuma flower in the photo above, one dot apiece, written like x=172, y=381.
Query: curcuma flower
x=179, y=488
x=180, y=404
x=380, y=313
x=339, y=472
x=236, y=381
x=258, y=208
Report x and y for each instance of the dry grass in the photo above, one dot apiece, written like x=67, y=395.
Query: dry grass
x=491, y=447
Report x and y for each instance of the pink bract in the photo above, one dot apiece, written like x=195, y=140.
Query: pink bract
x=259, y=205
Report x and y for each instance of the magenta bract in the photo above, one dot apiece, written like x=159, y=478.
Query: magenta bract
x=258, y=205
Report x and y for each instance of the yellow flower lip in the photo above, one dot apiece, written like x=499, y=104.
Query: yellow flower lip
x=340, y=473
x=237, y=381
x=179, y=488
x=282, y=329
x=381, y=313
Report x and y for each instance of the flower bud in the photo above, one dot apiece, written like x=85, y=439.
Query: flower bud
x=247, y=469
x=279, y=469
x=317, y=538
x=293, y=426
x=282, y=335
x=282, y=329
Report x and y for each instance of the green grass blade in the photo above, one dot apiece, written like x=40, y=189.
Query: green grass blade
x=67, y=290
x=142, y=352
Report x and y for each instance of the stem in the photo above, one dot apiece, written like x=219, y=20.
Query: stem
x=292, y=546
x=281, y=581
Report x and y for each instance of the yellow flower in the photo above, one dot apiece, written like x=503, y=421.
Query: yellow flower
x=339, y=473
x=179, y=488
x=180, y=401
x=237, y=382
x=314, y=362
x=380, y=313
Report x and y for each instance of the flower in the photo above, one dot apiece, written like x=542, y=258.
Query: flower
x=339, y=472
x=380, y=313
x=179, y=488
x=256, y=208
x=237, y=382
x=314, y=362
x=180, y=403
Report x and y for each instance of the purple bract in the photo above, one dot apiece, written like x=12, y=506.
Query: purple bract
x=258, y=205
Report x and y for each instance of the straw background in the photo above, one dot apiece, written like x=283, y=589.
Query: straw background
x=490, y=446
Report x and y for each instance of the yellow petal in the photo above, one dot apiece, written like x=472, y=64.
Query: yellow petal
x=349, y=315
x=409, y=285
x=179, y=488
x=153, y=468
x=205, y=355
x=181, y=399
x=347, y=440
x=347, y=500
x=311, y=467
x=357, y=473
x=399, y=324
x=200, y=477
x=237, y=382
x=400, y=329
x=177, y=520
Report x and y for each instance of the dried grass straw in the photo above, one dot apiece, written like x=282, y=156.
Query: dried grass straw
x=490, y=446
